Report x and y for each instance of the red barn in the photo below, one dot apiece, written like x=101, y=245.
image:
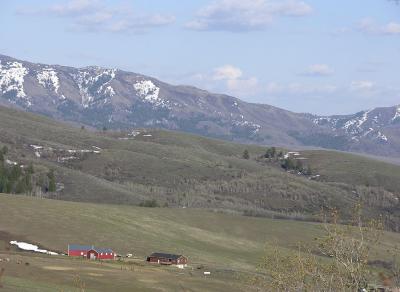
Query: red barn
x=90, y=252
x=168, y=259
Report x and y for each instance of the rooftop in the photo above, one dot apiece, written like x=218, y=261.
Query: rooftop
x=89, y=247
x=165, y=255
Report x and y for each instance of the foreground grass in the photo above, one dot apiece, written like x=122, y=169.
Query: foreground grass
x=70, y=275
x=230, y=246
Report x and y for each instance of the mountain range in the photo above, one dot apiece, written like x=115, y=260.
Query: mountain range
x=116, y=99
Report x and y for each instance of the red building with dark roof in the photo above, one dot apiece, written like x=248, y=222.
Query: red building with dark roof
x=90, y=252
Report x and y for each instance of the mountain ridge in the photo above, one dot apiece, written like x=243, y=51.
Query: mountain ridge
x=117, y=99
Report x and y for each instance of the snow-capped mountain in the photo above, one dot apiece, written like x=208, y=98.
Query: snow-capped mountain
x=115, y=99
x=375, y=128
x=363, y=124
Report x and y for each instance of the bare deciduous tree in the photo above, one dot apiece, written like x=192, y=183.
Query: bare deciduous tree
x=337, y=261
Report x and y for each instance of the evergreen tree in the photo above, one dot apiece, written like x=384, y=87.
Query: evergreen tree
x=8, y=187
x=246, y=154
x=268, y=153
x=30, y=169
x=288, y=164
x=52, y=181
x=4, y=150
x=3, y=183
x=299, y=166
x=14, y=179
x=273, y=152
x=308, y=170
x=21, y=186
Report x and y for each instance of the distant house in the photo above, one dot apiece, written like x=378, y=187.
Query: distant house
x=90, y=252
x=167, y=259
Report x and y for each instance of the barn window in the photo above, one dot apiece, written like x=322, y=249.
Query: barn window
x=81, y=253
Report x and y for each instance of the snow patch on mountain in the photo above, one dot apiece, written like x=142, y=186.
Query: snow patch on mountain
x=369, y=131
x=367, y=124
x=380, y=136
x=150, y=93
x=94, y=83
x=12, y=76
x=354, y=126
x=48, y=78
x=320, y=121
x=109, y=91
x=255, y=128
x=397, y=114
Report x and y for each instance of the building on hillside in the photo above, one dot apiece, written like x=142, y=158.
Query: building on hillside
x=90, y=252
x=168, y=259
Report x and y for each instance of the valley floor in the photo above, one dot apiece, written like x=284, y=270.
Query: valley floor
x=229, y=246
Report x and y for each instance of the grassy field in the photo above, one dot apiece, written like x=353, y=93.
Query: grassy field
x=229, y=246
x=68, y=275
x=206, y=237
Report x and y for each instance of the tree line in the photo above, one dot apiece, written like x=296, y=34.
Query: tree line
x=18, y=179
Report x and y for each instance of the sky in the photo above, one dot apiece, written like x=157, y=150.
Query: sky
x=319, y=56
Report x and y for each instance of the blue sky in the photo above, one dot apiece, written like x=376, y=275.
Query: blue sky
x=319, y=56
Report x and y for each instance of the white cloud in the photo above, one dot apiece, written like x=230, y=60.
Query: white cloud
x=243, y=87
x=362, y=85
x=227, y=72
x=291, y=8
x=391, y=28
x=95, y=15
x=369, y=26
x=319, y=70
x=234, y=82
x=239, y=15
x=74, y=7
x=140, y=23
x=227, y=79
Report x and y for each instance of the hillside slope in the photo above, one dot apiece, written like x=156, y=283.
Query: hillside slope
x=115, y=99
x=181, y=170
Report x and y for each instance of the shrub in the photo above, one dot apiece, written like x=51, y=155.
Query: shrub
x=149, y=204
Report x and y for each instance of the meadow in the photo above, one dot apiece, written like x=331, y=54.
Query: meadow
x=229, y=246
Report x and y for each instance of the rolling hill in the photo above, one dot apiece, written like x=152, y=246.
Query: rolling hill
x=115, y=99
x=171, y=169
